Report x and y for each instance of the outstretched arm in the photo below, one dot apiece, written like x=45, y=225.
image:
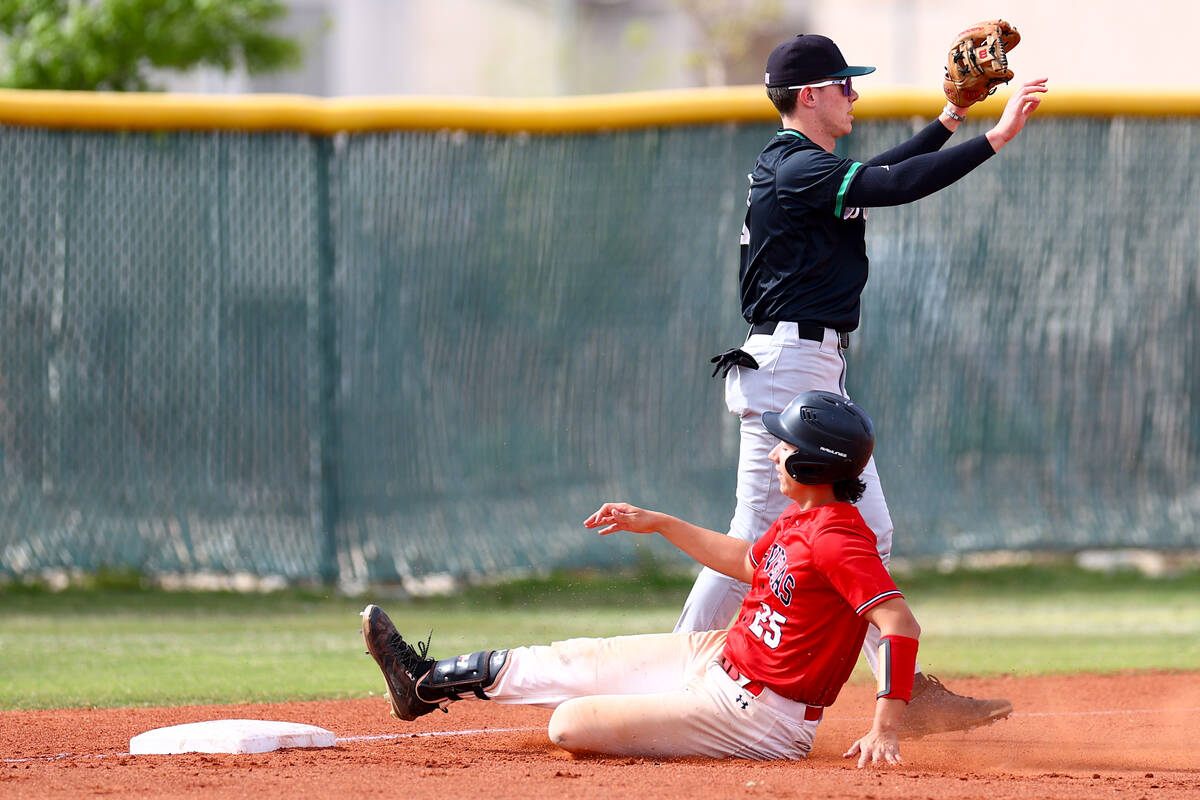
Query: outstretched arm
x=893, y=618
x=922, y=175
x=916, y=177
x=726, y=554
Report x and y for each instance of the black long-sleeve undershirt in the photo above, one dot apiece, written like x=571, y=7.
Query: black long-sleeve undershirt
x=908, y=172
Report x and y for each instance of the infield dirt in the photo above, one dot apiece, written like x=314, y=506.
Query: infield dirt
x=1117, y=736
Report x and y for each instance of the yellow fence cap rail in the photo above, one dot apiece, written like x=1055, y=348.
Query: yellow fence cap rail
x=153, y=112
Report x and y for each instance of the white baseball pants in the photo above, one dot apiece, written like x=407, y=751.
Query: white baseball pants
x=653, y=695
x=787, y=366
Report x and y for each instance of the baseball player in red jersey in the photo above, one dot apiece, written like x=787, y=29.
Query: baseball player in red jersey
x=756, y=690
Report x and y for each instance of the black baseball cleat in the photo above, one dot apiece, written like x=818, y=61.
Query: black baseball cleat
x=935, y=709
x=403, y=667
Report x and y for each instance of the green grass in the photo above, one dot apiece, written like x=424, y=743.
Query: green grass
x=114, y=644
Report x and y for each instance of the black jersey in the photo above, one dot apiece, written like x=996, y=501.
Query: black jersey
x=804, y=256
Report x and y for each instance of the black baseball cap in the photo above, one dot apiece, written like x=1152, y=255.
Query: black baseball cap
x=808, y=58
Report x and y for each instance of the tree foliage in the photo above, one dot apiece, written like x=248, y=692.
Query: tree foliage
x=117, y=44
x=731, y=34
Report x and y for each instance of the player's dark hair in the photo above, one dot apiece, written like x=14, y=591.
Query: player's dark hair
x=849, y=491
x=783, y=98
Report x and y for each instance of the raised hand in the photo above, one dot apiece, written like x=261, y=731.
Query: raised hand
x=1017, y=111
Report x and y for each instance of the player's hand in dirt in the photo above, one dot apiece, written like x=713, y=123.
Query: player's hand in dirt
x=623, y=517
x=875, y=747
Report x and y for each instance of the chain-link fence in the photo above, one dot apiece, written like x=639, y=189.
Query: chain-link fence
x=381, y=356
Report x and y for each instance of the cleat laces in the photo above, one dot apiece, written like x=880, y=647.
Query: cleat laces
x=416, y=662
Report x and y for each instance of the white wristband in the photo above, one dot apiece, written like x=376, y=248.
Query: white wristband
x=950, y=112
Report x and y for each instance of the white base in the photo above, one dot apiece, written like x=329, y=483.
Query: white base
x=230, y=736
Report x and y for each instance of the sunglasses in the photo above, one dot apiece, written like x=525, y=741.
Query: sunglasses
x=843, y=82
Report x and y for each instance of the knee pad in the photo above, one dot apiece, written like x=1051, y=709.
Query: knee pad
x=472, y=672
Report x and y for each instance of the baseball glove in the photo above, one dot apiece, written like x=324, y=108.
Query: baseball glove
x=978, y=61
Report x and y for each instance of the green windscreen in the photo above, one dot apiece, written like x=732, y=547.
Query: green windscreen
x=380, y=357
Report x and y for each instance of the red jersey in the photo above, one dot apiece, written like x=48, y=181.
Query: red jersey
x=801, y=626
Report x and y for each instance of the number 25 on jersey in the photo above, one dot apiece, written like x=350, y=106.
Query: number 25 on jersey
x=767, y=625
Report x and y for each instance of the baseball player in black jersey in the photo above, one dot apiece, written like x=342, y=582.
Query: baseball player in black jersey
x=803, y=269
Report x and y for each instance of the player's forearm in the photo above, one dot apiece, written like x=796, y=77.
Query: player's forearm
x=918, y=176
x=898, y=643
x=725, y=554
x=888, y=713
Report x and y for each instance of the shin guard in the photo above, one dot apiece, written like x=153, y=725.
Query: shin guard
x=450, y=678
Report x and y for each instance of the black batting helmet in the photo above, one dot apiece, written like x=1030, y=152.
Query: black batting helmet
x=832, y=436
